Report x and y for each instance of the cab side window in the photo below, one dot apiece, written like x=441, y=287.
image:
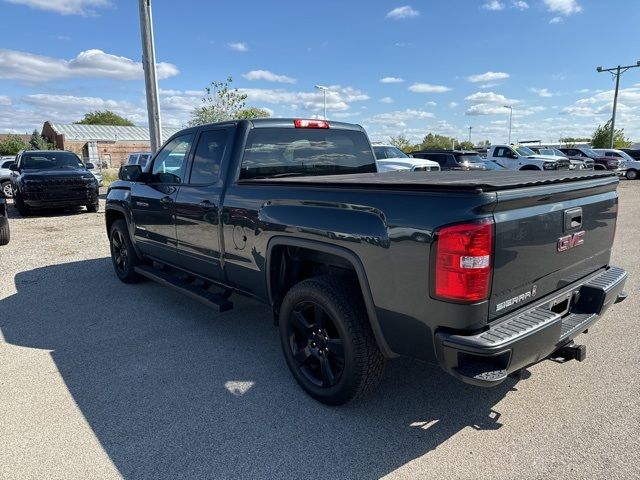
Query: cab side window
x=208, y=156
x=169, y=164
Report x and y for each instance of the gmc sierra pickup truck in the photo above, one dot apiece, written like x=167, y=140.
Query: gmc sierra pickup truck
x=483, y=273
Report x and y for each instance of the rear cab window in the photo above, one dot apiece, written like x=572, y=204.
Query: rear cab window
x=280, y=152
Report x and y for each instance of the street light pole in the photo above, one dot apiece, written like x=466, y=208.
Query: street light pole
x=619, y=70
x=324, y=96
x=510, y=117
x=470, y=127
x=150, y=77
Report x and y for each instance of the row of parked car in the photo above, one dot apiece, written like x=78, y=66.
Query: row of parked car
x=508, y=157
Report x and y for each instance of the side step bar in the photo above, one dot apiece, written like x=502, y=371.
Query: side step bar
x=205, y=296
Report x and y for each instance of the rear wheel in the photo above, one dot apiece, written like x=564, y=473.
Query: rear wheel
x=4, y=230
x=327, y=340
x=93, y=207
x=7, y=189
x=632, y=174
x=123, y=255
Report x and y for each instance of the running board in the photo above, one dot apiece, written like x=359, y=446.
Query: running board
x=205, y=296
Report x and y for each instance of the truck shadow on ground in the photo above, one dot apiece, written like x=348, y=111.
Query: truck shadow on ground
x=172, y=389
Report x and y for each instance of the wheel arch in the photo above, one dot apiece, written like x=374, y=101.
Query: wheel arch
x=347, y=257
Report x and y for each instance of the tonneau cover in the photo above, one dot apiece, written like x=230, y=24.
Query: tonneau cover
x=459, y=180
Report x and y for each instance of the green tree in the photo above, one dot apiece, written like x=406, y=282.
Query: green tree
x=602, y=135
x=12, y=145
x=105, y=117
x=401, y=142
x=465, y=145
x=571, y=142
x=437, y=142
x=253, y=112
x=222, y=102
x=38, y=142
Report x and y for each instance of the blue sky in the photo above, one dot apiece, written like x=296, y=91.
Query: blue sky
x=392, y=66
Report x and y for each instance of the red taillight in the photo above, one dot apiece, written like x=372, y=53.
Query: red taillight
x=463, y=261
x=302, y=123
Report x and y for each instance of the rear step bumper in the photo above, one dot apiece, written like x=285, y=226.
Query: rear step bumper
x=531, y=334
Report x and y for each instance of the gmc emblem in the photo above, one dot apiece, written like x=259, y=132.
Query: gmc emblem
x=569, y=241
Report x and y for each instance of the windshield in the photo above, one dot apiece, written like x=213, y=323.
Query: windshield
x=591, y=153
x=50, y=160
x=382, y=152
x=471, y=158
x=558, y=152
x=280, y=152
x=525, y=151
x=547, y=151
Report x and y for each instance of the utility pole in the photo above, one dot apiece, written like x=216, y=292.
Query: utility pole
x=510, y=117
x=619, y=70
x=470, y=127
x=150, y=77
x=324, y=91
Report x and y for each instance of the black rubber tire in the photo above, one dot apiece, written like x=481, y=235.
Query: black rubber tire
x=23, y=209
x=5, y=234
x=125, y=271
x=7, y=190
x=632, y=174
x=93, y=207
x=341, y=299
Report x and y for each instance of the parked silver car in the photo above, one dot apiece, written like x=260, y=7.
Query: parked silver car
x=5, y=176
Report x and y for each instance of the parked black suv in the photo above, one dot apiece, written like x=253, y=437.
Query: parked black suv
x=52, y=179
x=453, y=159
x=4, y=221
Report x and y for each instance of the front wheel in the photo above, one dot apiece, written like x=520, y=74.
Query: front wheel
x=93, y=207
x=5, y=234
x=7, y=189
x=123, y=255
x=631, y=174
x=327, y=340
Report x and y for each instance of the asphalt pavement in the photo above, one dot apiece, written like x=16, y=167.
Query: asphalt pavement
x=104, y=380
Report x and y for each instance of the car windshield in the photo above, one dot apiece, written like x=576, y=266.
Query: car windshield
x=50, y=160
x=491, y=165
x=558, y=152
x=525, y=151
x=383, y=151
x=591, y=153
x=547, y=151
x=469, y=158
x=278, y=152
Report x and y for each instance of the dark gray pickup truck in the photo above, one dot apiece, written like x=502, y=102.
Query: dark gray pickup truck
x=483, y=273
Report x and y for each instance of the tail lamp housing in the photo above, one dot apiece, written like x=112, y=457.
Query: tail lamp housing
x=464, y=262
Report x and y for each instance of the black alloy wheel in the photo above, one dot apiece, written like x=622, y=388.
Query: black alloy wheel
x=123, y=255
x=316, y=344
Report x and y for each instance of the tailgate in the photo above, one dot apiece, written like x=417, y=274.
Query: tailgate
x=549, y=236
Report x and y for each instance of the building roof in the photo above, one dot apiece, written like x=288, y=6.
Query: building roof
x=25, y=137
x=107, y=132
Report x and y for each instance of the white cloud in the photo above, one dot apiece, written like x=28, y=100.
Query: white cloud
x=391, y=80
x=563, y=7
x=29, y=67
x=493, y=5
x=489, y=97
x=542, y=92
x=403, y=12
x=268, y=76
x=453, y=104
x=556, y=20
x=338, y=98
x=4, y=100
x=66, y=7
x=399, y=118
x=386, y=100
x=428, y=88
x=519, y=4
x=431, y=104
x=238, y=46
x=488, y=77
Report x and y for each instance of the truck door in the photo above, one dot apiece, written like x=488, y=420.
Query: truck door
x=504, y=156
x=198, y=204
x=153, y=202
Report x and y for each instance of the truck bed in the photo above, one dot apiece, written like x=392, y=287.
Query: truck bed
x=485, y=181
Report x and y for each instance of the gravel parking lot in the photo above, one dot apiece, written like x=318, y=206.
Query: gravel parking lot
x=104, y=380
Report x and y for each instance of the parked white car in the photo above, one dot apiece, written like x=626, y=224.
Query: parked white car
x=392, y=159
x=5, y=175
x=518, y=157
x=95, y=172
x=631, y=165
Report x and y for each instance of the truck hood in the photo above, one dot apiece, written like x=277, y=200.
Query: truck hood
x=546, y=158
x=399, y=163
x=56, y=173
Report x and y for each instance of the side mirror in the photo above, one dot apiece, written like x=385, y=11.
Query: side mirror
x=90, y=166
x=13, y=167
x=130, y=173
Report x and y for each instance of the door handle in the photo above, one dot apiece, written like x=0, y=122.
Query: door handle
x=166, y=201
x=205, y=205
